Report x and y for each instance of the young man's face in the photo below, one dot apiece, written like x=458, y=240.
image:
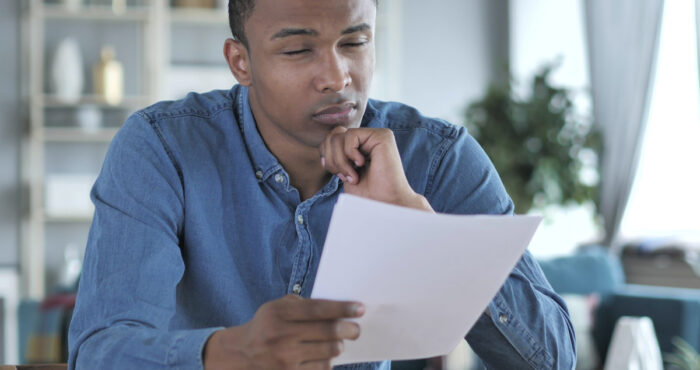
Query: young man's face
x=311, y=64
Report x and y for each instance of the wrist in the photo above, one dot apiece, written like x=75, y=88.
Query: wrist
x=417, y=201
x=223, y=349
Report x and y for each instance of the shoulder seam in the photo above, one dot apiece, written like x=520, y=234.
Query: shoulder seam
x=447, y=143
x=168, y=151
x=447, y=131
x=152, y=116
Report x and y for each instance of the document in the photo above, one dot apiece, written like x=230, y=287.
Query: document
x=424, y=278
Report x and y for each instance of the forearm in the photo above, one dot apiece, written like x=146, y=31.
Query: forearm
x=129, y=346
x=527, y=325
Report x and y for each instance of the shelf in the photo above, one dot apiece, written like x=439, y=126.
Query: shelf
x=128, y=102
x=68, y=219
x=95, y=13
x=75, y=134
x=213, y=16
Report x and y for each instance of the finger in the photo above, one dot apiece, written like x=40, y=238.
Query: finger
x=318, y=351
x=334, y=159
x=372, y=138
x=352, y=148
x=341, y=163
x=324, y=148
x=322, y=153
x=320, y=309
x=327, y=330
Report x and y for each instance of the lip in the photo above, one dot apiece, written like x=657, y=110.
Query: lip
x=335, y=114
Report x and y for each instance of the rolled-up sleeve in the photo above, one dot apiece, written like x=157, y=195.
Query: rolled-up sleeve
x=133, y=262
x=526, y=325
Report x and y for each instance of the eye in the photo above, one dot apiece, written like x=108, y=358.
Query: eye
x=355, y=44
x=296, y=52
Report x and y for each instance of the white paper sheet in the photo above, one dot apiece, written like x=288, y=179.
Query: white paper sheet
x=424, y=278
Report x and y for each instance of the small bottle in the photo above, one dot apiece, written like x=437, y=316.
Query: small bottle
x=109, y=77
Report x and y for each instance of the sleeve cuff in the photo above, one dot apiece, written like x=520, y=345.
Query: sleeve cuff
x=187, y=348
x=517, y=334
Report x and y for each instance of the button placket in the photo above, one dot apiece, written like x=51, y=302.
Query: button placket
x=302, y=262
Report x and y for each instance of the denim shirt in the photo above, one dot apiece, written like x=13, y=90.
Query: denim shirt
x=196, y=226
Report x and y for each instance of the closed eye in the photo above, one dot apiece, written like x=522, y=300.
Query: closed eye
x=296, y=52
x=355, y=44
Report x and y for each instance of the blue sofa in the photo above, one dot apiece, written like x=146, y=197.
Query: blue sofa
x=594, y=270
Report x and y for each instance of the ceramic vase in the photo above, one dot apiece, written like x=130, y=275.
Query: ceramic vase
x=67, y=71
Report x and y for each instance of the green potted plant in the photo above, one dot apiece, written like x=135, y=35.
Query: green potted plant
x=545, y=152
x=684, y=356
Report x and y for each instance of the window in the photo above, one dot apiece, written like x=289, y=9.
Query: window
x=665, y=197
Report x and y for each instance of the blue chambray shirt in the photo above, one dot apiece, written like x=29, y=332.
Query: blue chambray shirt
x=196, y=226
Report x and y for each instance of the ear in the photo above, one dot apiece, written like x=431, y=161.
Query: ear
x=236, y=55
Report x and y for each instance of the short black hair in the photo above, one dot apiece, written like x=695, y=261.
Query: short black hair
x=238, y=13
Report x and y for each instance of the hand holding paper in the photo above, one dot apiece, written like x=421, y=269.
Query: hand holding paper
x=424, y=278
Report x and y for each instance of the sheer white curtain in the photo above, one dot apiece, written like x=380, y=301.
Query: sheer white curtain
x=664, y=199
x=622, y=43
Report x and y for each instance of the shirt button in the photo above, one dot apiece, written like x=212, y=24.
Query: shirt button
x=259, y=174
x=503, y=318
x=300, y=219
x=296, y=289
x=279, y=178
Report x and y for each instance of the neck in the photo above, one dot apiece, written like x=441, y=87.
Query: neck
x=302, y=162
x=303, y=165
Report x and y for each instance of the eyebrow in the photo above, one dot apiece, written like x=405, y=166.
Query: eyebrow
x=286, y=32
x=357, y=28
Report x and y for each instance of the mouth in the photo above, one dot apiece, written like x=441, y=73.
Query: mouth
x=339, y=114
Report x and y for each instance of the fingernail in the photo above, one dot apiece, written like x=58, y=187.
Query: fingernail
x=355, y=330
x=357, y=163
x=340, y=176
x=358, y=309
x=323, y=162
x=350, y=180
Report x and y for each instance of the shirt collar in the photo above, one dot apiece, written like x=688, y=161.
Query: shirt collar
x=264, y=161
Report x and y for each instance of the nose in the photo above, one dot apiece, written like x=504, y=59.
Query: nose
x=333, y=75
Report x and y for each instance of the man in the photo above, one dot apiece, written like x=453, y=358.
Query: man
x=211, y=211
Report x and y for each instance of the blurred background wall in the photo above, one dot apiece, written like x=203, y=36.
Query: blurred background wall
x=444, y=67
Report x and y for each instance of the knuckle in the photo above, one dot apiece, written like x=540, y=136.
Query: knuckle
x=333, y=330
x=316, y=310
x=266, y=306
x=269, y=340
x=335, y=348
x=282, y=363
x=284, y=358
x=387, y=133
x=274, y=329
x=337, y=139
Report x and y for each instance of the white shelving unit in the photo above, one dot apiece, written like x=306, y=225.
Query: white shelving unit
x=41, y=19
x=39, y=22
